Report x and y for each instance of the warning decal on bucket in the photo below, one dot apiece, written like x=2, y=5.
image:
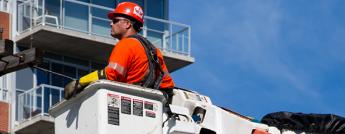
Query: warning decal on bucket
x=113, y=100
x=113, y=109
x=150, y=114
x=113, y=115
x=137, y=107
x=126, y=105
x=148, y=105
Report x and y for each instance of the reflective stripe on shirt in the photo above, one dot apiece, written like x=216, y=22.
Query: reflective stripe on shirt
x=120, y=69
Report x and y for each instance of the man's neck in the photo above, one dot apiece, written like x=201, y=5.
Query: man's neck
x=128, y=33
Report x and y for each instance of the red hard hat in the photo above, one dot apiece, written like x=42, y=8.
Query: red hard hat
x=128, y=9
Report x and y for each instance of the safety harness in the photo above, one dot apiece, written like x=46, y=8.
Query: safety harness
x=155, y=76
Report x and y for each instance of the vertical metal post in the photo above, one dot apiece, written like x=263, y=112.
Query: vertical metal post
x=20, y=103
x=189, y=40
x=170, y=35
x=13, y=7
x=60, y=93
x=50, y=97
x=183, y=44
x=30, y=104
x=177, y=41
x=42, y=100
x=35, y=9
x=31, y=16
x=34, y=100
x=90, y=20
x=44, y=12
x=164, y=40
x=145, y=31
x=62, y=13
x=34, y=75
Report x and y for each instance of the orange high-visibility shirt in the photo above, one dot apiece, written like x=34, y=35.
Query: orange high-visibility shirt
x=128, y=63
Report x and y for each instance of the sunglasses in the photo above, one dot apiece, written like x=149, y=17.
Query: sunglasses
x=117, y=20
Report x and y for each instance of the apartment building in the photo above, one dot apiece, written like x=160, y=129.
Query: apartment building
x=75, y=37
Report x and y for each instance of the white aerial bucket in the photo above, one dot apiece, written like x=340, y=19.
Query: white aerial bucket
x=107, y=107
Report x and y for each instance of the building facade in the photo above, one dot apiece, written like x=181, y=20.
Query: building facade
x=74, y=35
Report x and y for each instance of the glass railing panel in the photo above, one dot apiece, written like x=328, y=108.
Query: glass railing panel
x=37, y=101
x=178, y=40
x=100, y=27
x=168, y=36
x=55, y=96
x=76, y=16
x=46, y=99
x=53, y=9
x=19, y=104
x=24, y=18
x=155, y=32
x=99, y=20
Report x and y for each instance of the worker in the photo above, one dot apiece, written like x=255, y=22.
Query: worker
x=133, y=60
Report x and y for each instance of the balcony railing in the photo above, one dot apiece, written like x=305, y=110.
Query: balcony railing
x=91, y=19
x=4, y=5
x=37, y=101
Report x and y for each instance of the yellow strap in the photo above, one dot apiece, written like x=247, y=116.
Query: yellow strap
x=87, y=79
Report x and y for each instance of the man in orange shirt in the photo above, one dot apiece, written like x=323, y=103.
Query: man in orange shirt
x=133, y=60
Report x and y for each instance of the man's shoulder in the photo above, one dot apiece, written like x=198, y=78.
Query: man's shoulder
x=129, y=42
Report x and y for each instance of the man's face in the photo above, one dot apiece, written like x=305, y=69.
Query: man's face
x=118, y=27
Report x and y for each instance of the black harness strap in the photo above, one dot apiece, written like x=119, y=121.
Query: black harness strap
x=153, y=79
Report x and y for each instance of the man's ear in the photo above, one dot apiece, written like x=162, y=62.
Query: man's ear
x=128, y=25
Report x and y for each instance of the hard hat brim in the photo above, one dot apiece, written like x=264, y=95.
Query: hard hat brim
x=112, y=15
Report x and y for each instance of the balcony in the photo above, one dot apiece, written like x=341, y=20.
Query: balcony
x=82, y=30
x=32, y=109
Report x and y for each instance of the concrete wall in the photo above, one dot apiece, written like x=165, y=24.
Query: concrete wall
x=4, y=117
x=5, y=23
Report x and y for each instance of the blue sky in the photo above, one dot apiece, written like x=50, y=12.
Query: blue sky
x=261, y=56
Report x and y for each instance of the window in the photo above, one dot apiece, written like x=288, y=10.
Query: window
x=69, y=66
x=24, y=79
x=139, y=2
x=105, y=3
x=64, y=68
x=155, y=8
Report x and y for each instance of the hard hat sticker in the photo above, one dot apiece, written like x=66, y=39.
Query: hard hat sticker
x=138, y=11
